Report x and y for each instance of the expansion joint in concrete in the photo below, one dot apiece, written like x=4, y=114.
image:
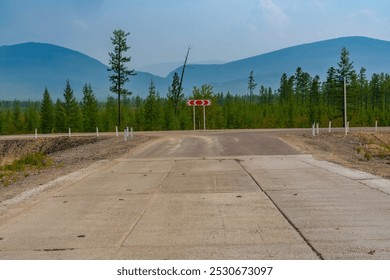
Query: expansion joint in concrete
x=281, y=211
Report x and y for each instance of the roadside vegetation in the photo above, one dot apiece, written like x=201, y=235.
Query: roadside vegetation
x=10, y=172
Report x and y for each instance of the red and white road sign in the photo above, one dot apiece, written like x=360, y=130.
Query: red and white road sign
x=199, y=102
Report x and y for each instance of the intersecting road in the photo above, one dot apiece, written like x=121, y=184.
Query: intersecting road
x=204, y=195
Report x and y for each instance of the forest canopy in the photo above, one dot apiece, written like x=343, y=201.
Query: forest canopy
x=300, y=100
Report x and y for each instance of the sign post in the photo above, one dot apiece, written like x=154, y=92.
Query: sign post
x=199, y=102
x=204, y=117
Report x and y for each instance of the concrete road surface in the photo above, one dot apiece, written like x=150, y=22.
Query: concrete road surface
x=203, y=195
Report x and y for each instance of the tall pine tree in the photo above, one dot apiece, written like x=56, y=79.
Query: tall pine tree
x=152, y=109
x=345, y=73
x=89, y=109
x=175, y=94
x=47, y=113
x=71, y=109
x=251, y=86
x=118, y=62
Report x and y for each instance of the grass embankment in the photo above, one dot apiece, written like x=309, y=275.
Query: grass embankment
x=373, y=145
x=9, y=173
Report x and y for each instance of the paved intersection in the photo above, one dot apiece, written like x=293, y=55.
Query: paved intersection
x=204, y=196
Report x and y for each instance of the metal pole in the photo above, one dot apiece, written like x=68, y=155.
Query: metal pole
x=345, y=106
x=193, y=115
x=204, y=117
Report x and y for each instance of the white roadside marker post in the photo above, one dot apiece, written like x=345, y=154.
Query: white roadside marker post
x=313, y=129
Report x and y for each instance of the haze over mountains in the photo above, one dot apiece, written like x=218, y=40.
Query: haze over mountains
x=26, y=69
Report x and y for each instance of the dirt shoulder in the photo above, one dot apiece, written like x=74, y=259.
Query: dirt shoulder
x=365, y=151
x=66, y=154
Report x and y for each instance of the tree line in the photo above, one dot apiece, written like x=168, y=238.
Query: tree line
x=300, y=100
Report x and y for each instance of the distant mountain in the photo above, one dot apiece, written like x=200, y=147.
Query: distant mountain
x=314, y=58
x=26, y=69
x=163, y=69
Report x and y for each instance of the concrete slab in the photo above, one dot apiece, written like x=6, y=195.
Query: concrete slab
x=110, y=183
x=206, y=166
x=382, y=185
x=196, y=219
x=73, y=222
x=152, y=209
x=338, y=169
x=60, y=254
x=279, y=163
x=329, y=204
x=365, y=249
x=210, y=182
x=142, y=166
x=219, y=252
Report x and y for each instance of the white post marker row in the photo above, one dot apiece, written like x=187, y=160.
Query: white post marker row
x=128, y=133
x=315, y=128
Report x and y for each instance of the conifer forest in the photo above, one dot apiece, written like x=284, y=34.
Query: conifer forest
x=300, y=100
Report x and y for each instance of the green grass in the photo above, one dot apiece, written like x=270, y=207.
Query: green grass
x=9, y=173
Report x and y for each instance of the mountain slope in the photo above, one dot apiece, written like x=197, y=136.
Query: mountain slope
x=26, y=69
x=314, y=58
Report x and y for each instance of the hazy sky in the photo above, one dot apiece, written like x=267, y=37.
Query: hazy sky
x=161, y=30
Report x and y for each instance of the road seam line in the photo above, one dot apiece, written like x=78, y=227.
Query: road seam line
x=150, y=202
x=281, y=212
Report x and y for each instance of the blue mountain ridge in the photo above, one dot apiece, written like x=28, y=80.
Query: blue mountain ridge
x=26, y=69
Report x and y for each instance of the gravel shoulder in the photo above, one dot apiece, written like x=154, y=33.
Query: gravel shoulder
x=361, y=150
x=67, y=154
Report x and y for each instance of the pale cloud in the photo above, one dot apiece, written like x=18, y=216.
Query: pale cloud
x=319, y=5
x=274, y=14
x=80, y=25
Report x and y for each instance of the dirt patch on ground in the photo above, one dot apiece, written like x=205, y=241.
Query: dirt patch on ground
x=67, y=155
x=365, y=151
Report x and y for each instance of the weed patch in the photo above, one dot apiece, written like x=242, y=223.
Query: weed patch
x=9, y=173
